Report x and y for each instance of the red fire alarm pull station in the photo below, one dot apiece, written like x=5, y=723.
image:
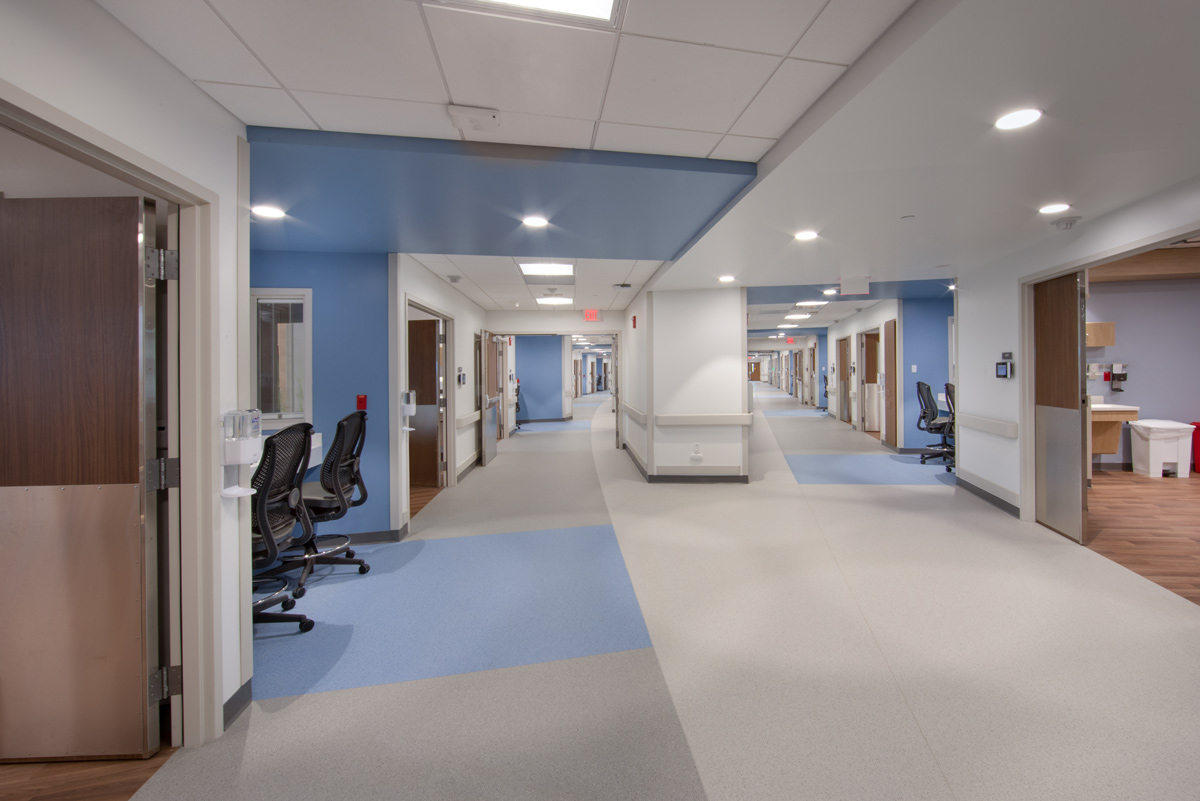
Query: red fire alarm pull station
x=635, y=321
x=362, y=403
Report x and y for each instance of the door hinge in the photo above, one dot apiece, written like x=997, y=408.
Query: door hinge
x=162, y=474
x=442, y=403
x=162, y=265
x=444, y=466
x=441, y=339
x=165, y=682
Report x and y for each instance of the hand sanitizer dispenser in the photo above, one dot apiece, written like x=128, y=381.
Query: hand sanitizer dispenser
x=243, y=445
x=408, y=407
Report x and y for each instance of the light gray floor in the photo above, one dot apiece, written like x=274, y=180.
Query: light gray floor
x=809, y=642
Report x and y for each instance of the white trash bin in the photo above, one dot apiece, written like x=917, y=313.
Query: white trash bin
x=1159, y=442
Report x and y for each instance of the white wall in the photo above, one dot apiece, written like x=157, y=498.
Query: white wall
x=409, y=281
x=989, y=323
x=698, y=338
x=77, y=62
x=633, y=377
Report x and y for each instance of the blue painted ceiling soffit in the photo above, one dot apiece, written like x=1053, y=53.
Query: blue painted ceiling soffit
x=358, y=193
x=923, y=289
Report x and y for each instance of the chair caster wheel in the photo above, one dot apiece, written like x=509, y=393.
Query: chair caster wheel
x=364, y=568
x=299, y=593
x=307, y=625
x=349, y=554
x=288, y=604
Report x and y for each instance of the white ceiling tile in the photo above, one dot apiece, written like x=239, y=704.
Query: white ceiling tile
x=190, y=36
x=521, y=65
x=534, y=129
x=603, y=270
x=255, y=105
x=372, y=115
x=794, y=87
x=500, y=265
x=642, y=272
x=765, y=26
x=663, y=141
x=848, y=27
x=742, y=148
x=687, y=86
x=430, y=258
x=373, y=48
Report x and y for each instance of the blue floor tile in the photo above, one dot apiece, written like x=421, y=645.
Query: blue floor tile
x=866, y=469
x=441, y=607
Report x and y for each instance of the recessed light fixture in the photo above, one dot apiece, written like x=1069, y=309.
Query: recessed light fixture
x=1054, y=208
x=804, y=236
x=1019, y=119
x=829, y=292
x=813, y=304
x=271, y=212
x=725, y=279
x=555, y=300
x=787, y=325
x=548, y=269
x=535, y=222
x=797, y=316
x=952, y=287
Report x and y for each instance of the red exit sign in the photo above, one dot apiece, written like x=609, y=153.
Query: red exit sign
x=591, y=315
x=791, y=341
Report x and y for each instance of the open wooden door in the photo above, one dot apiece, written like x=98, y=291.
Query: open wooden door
x=891, y=379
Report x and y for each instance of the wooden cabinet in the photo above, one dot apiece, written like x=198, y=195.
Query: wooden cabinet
x=1101, y=335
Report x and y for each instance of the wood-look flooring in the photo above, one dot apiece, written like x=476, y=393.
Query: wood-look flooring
x=102, y=780
x=1149, y=525
x=418, y=499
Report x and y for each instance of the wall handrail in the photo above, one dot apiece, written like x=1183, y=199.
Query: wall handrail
x=1001, y=428
x=735, y=419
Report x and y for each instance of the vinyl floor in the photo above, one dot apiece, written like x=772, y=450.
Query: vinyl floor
x=852, y=641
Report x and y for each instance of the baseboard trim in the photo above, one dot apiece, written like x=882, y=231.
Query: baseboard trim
x=463, y=473
x=238, y=703
x=378, y=537
x=994, y=500
x=636, y=461
x=696, y=478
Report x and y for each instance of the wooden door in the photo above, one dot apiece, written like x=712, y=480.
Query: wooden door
x=1059, y=415
x=79, y=634
x=578, y=376
x=843, y=379
x=891, y=380
x=754, y=371
x=423, y=448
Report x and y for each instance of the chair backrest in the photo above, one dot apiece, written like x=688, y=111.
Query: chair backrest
x=929, y=408
x=278, y=500
x=950, y=401
x=340, y=472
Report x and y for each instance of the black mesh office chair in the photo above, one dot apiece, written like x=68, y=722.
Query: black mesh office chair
x=950, y=426
x=278, y=507
x=932, y=421
x=333, y=496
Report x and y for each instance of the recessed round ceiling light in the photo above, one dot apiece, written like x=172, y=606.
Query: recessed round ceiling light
x=952, y=287
x=535, y=222
x=804, y=236
x=267, y=211
x=725, y=279
x=830, y=292
x=1054, y=208
x=1019, y=119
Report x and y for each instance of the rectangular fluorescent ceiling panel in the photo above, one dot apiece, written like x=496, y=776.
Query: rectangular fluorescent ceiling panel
x=592, y=9
x=555, y=301
x=548, y=269
x=812, y=304
x=797, y=317
x=789, y=325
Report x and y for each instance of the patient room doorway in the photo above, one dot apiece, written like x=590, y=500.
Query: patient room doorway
x=427, y=448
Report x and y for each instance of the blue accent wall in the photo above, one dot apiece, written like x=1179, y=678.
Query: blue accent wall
x=1157, y=328
x=362, y=193
x=350, y=347
x=927, y=345
x=539, y=368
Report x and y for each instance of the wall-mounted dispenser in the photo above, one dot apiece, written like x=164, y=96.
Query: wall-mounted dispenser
x=1120, y=375
x=242, y=445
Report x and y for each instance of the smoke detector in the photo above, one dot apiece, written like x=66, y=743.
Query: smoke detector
x=454, y=279
x=622, y=286
x=1066, y=223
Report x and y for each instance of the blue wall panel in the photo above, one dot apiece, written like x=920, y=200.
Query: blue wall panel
x=539, y=369
x=927, y=345
x=350, y=346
